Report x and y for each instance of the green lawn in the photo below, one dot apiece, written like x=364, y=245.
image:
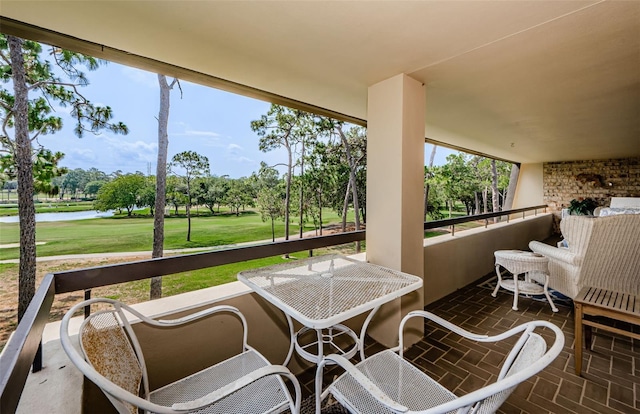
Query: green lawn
x=203, y=278
x=46, y=207
x=128, y=234
x=138, y=291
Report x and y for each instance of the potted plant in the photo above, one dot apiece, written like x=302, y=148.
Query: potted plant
x=582, y=207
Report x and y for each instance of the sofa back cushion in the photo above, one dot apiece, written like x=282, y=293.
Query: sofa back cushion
x=612, y=211
x=625, y=202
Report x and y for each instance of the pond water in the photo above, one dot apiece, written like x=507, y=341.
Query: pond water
x=70, y=216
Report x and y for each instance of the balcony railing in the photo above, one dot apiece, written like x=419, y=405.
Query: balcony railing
x=428, y=225
x=24, y=346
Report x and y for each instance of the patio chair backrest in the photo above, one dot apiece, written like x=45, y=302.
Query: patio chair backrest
x=108, y=348
x=532, y=350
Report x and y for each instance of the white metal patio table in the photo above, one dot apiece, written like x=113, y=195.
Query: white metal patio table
x=323, y=292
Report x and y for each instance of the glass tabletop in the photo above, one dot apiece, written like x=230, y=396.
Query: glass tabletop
x=323, y=291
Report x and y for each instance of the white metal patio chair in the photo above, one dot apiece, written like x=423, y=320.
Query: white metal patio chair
x=387, y=383
x=112, y=358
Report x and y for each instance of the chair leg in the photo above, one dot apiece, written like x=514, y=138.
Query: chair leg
x=578, y=334
x=546, y=293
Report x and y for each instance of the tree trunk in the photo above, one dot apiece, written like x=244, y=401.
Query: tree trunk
x=26, y=208
x=477, y=203
x=345, y=207
x=494, y=190
x=426, y=185
x=188, y=208
x=301, y=205
x=273, y=231
x=511, y=190
x=485, y=202
x=287, y=195
x=161, y=181
x=320, y=209
x=189, y=222
x=352, y=180
x=426, y=197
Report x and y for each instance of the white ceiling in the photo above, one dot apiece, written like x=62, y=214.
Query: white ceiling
x=528, y=81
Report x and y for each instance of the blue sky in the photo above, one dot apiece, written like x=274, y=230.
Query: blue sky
x=209, y=121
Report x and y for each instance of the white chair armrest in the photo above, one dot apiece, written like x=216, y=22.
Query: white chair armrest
x=196, y=316
x=231, y=388
x=550, y=252
x=163, y=323
x=366, y=383
x=470, y=335
x=439, y=321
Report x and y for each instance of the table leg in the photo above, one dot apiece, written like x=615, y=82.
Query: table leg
x=363, y=331
x=292, y=335
x=578, y=334
x=516, y=292
x=320, y=346
x=495, y=291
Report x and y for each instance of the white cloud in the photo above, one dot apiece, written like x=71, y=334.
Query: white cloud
x=243, y=160
x=194, y=133
x=82, y=154
x=131, y=150
x=235, y=153
x=141, y=77
x=187, y=131
x=208, y=139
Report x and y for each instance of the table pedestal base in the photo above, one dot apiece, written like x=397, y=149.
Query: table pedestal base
x=526, y=287
x=333, y=338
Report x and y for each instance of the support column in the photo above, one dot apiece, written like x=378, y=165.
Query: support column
x=530, y=187
x=395, y=180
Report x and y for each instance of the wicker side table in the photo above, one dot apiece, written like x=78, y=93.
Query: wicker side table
x=532, y=266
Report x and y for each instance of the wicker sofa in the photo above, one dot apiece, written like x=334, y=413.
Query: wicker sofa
x=603, y=252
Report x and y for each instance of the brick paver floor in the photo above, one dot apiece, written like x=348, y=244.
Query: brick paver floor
x=610, y=381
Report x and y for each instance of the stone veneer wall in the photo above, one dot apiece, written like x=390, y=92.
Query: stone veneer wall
x=596, y=179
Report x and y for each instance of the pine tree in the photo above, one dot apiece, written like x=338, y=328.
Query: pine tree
x=24, y=118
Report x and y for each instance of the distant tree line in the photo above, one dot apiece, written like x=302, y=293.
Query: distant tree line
x=322, y=180
x=325, y=168
x=480, y=184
